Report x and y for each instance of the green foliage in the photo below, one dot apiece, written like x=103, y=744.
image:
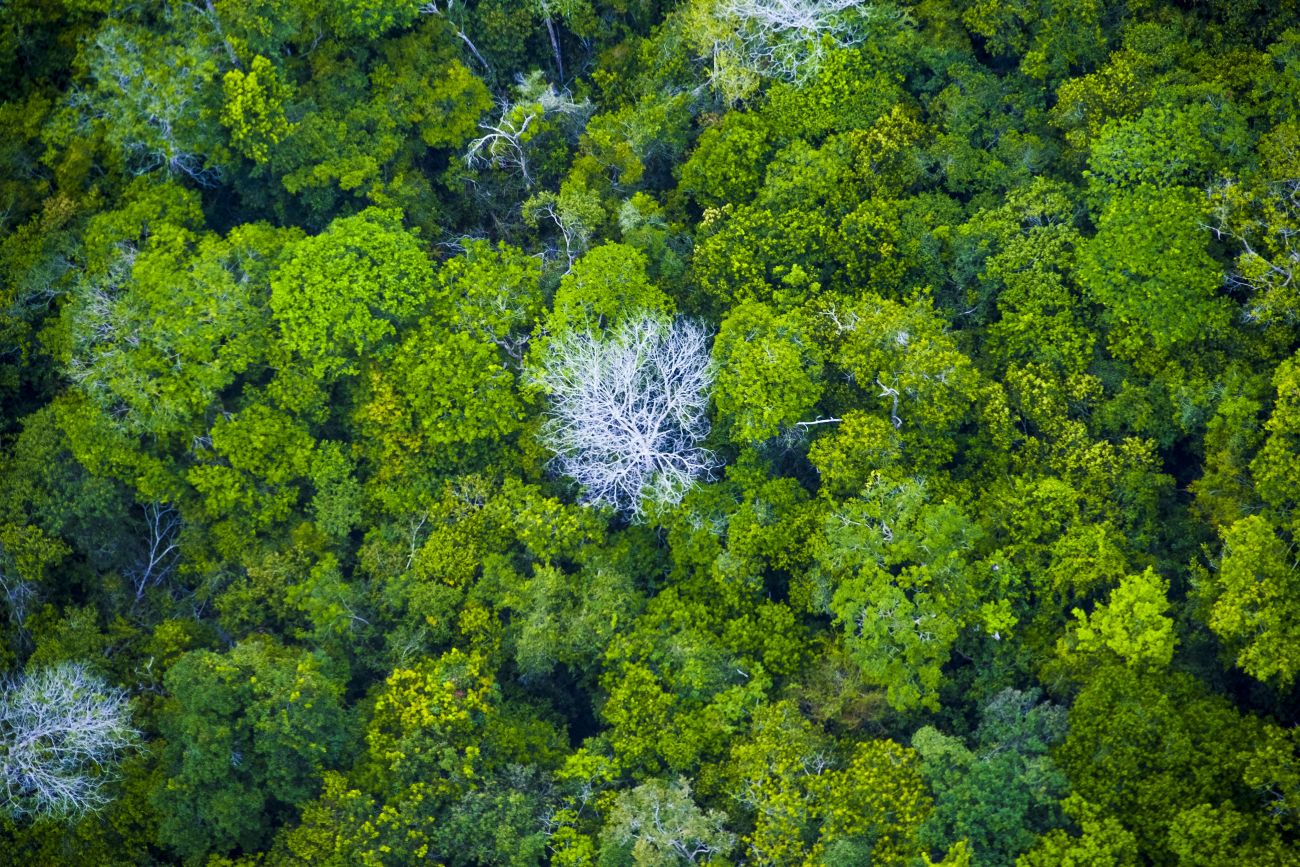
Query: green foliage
x=600, y=432
x=1052, y=39
x=607, y=286
x=250, y=474
x=366, y=117
x=371, y=18
x=249, y=733
x=1133, y=623
x=1029, y=246
x=424, y=723
x=1277, y=460
x=1000, y=794
x=157, y=339
x=909, y=370
x=896, y=568
x=809, y=808
x=1149, y=267
x=442, y=394
x=768, y=370
x=492, y=291
x=566, y=619
x=341, y=294
x=154, y=97
x=726, y=165
x=254, y=109
x=1259, y=218
x=1143, y=748
x=784, y=254
x=1164, y=147
x=347, y=826
x=847, y=458
x=1103, y=840
x=658, y=823
x=1254, y=594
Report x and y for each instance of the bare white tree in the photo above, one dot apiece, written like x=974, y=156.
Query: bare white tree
x=570, y=227
x=663, y=825
x=787, y=39
x=748, y=40
x=18, y=595
x=62, y=732
x=502, y=144
x=628, y=411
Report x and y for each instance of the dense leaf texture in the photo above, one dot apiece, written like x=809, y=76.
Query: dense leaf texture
x=592, y=433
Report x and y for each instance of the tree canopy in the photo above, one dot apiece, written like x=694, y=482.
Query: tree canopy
x=650, y=432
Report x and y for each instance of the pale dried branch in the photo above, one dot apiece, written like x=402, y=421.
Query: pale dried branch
x=628, y=411
x=62, y=731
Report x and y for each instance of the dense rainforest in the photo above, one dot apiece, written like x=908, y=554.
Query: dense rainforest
x=650, y=432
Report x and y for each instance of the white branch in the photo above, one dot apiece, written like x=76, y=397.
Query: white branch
x=62, y=730
x=788, y=39
x=628, y=412
x=162, y=524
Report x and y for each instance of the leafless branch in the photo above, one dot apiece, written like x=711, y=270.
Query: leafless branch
x=162, y=526
x=62, y=730
x=628, y=411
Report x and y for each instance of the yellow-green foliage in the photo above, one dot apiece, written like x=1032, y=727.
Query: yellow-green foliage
x=254, y=109
x=641, y=432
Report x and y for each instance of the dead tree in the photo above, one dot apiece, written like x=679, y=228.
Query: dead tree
x=62, y=732
x=628, y=411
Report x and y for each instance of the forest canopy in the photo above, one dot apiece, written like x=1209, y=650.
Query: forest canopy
x=650, y=432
